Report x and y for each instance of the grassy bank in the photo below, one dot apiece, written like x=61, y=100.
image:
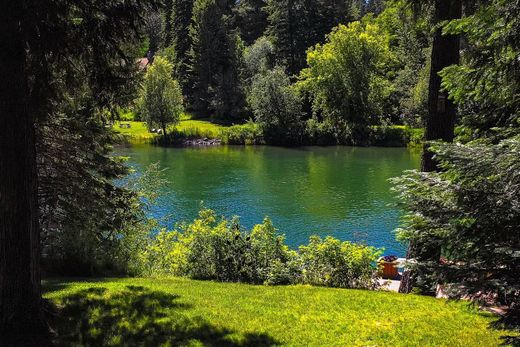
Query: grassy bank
x=187, y=128
x=186, y=312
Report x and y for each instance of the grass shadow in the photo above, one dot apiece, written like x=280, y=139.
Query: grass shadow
x=49, y=286
x=137, y=316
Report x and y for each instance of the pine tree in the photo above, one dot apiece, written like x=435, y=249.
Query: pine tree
x=334, y=12
x=440, y=121
x=297, y=25
x=182, y=11
x=250, y=18
x=44, y=53
x=168, y=32
x=214, y=58
x=292, y=30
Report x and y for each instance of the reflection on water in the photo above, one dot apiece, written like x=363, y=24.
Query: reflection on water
x=339, y=191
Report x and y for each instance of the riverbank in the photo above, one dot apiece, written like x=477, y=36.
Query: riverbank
x=190, y=132
x=188, y=312
x=134, y=132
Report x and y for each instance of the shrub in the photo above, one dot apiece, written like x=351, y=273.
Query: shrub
x=245, y=134
x=276, y=106
x=221, y=250
x=177, y=136
x=389, y=136
x=323, y=134
x=330, y=262
x=286, y=273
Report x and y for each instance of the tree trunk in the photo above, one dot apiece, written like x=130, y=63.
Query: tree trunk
x=440, y=122
x=21, y=317
x=164, y=129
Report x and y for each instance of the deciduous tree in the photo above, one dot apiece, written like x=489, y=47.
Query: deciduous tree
x=346, y=78
x=161, y=98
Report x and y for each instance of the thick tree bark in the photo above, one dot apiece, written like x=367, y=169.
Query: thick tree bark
x=20, y=294
x=440, y=122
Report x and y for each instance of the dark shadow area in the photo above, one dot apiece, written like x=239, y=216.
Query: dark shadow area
x=137, y=316
x=49, y=286
x=509, y=323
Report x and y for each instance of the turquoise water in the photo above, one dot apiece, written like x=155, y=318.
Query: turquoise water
x=338, y=191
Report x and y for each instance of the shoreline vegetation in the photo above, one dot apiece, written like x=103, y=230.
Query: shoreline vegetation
x=204, y=132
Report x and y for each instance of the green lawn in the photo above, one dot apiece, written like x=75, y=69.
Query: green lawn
x=203, y=127
x=138, y=132
x=178, y=311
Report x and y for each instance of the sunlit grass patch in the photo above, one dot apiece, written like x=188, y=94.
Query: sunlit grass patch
x=199, y=128
x=179, y=311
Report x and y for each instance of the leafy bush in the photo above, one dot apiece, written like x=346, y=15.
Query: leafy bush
x=330, y=262
x=276, y=106
x=127, y=115
x=177, y=136
x=245, y=134
x=324, y=133
x=395, y=136
x=221, y=250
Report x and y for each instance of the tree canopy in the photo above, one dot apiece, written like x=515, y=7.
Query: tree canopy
x=161, y=101
x=346, y=77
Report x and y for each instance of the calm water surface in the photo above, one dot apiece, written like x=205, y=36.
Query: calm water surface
x=338, y=191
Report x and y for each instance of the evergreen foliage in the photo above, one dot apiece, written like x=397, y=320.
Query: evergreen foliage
x=215, y=57
x=487, y=85
x=182, y=11
x=82, y=211
x=470, y=212
x=292, y=30
x=251, y=19
x=154, y=31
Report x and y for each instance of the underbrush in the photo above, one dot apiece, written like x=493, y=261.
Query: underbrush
x=244, y=134
x=314, y=133
x=178, y=136
x=395, y=136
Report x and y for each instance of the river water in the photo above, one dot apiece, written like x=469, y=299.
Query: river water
x=338, y=191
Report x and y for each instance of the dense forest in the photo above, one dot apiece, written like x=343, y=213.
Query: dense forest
x=291, y=72
x=313, y=72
